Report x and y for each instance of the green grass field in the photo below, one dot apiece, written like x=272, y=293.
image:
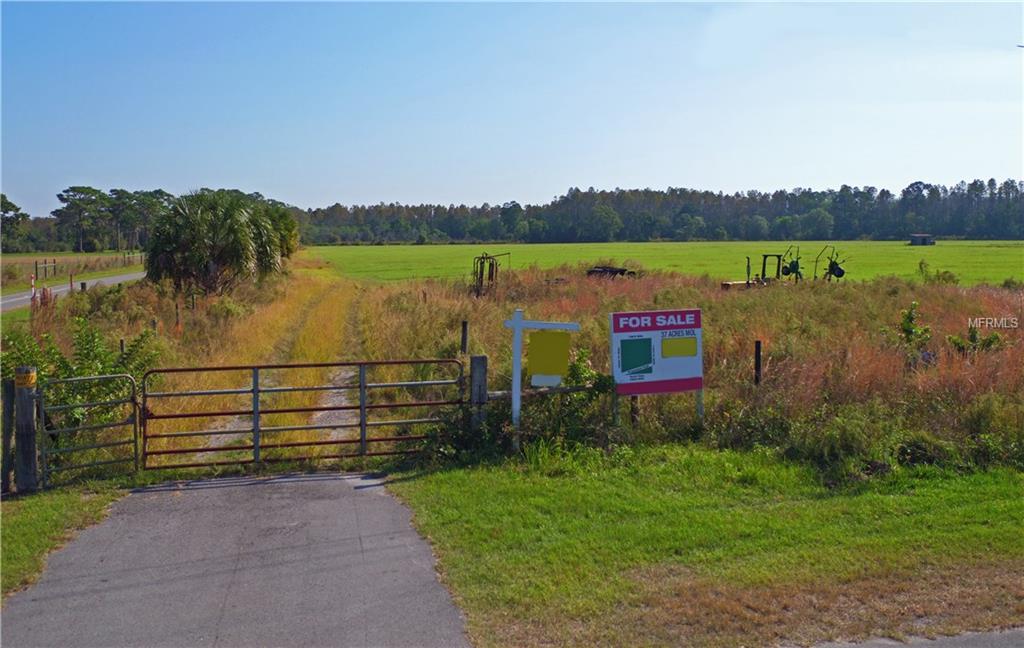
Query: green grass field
x=586, y=548
x=972, y=261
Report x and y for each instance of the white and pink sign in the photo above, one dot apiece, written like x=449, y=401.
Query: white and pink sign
x=657, y=352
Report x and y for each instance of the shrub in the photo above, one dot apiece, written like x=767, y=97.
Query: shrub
x=995, y=431
x=919, y=448
x=973, y=342
x=937, y=277
x=848, y=443
x=731, y=426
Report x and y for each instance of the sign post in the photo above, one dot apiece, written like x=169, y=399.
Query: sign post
x=518, y=324
x=658, y=352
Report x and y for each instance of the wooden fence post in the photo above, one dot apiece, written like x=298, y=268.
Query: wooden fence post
x=464, y=345
x=478, y=391
x=25, y=429
x=8, y=432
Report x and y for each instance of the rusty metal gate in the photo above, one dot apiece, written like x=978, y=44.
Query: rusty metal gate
x=210, y=416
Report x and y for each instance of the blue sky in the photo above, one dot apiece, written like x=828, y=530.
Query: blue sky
x=468, y=103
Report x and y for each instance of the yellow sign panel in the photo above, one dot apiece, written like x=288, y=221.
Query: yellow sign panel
x=678, y=347
x=548, y=354
x=25, y=379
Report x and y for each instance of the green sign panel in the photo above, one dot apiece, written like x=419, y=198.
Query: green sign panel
x=637, y=356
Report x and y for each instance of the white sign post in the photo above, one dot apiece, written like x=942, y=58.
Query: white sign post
x=518, y=324
x=658, y=352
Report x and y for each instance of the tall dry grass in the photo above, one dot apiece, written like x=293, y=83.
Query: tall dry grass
x=306, y=324
x=826, y=346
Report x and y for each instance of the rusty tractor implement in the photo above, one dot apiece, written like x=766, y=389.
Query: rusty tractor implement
x=485, y=271
x=786, y=266
x=833, y=269
x=610, y=272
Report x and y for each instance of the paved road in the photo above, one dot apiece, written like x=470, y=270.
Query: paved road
x=20, y=299
x=299, y=560
x=1006, y=639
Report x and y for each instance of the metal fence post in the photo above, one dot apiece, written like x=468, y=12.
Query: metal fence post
x=25, y=429
x=757, y=362
x=256, y=414
x=362, y=409
x=135, y=420
x=8, y=432
x=43, y=441
x=464, y=342
x=478, y=391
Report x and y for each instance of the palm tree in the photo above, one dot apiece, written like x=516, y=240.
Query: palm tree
x=211, y=240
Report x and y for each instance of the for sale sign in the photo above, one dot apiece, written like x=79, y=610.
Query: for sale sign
x=657, y=352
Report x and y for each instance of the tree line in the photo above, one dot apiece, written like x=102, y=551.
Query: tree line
x=977, y=209
x=205, y=241
x=93, y=220
x=90, y=219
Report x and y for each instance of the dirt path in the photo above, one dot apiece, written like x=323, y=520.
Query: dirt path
x=340, y=377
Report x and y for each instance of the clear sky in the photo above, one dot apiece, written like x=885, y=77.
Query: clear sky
x=468, y=103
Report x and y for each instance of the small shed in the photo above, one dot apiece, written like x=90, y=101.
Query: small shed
x=922, y=239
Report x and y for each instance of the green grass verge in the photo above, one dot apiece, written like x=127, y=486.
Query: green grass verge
x=563, y=535
x=19, y=286
x=972, y=261
x=35, y=525
x=15, y=316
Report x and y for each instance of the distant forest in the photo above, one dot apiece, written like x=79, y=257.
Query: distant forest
x=977, y=210
x=91, y=219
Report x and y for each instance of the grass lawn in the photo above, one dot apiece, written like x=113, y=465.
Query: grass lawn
x=674, y=545
x=972, y=261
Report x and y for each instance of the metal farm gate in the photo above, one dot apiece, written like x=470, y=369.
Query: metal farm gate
x=211, y=416
x=267, y=415
x=87, y=422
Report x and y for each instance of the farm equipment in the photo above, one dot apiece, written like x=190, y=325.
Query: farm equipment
x=485, y=271
x=787, y=265
x=833, y=269
x=610, y=272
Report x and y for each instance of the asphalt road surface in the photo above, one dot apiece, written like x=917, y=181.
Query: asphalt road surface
x=297, y=560
x=20, y=299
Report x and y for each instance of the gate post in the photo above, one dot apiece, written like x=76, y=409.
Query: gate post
x=25, y=429
x=478, y=391
x=255, y=413
x=8, y=432
x=362, y=409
